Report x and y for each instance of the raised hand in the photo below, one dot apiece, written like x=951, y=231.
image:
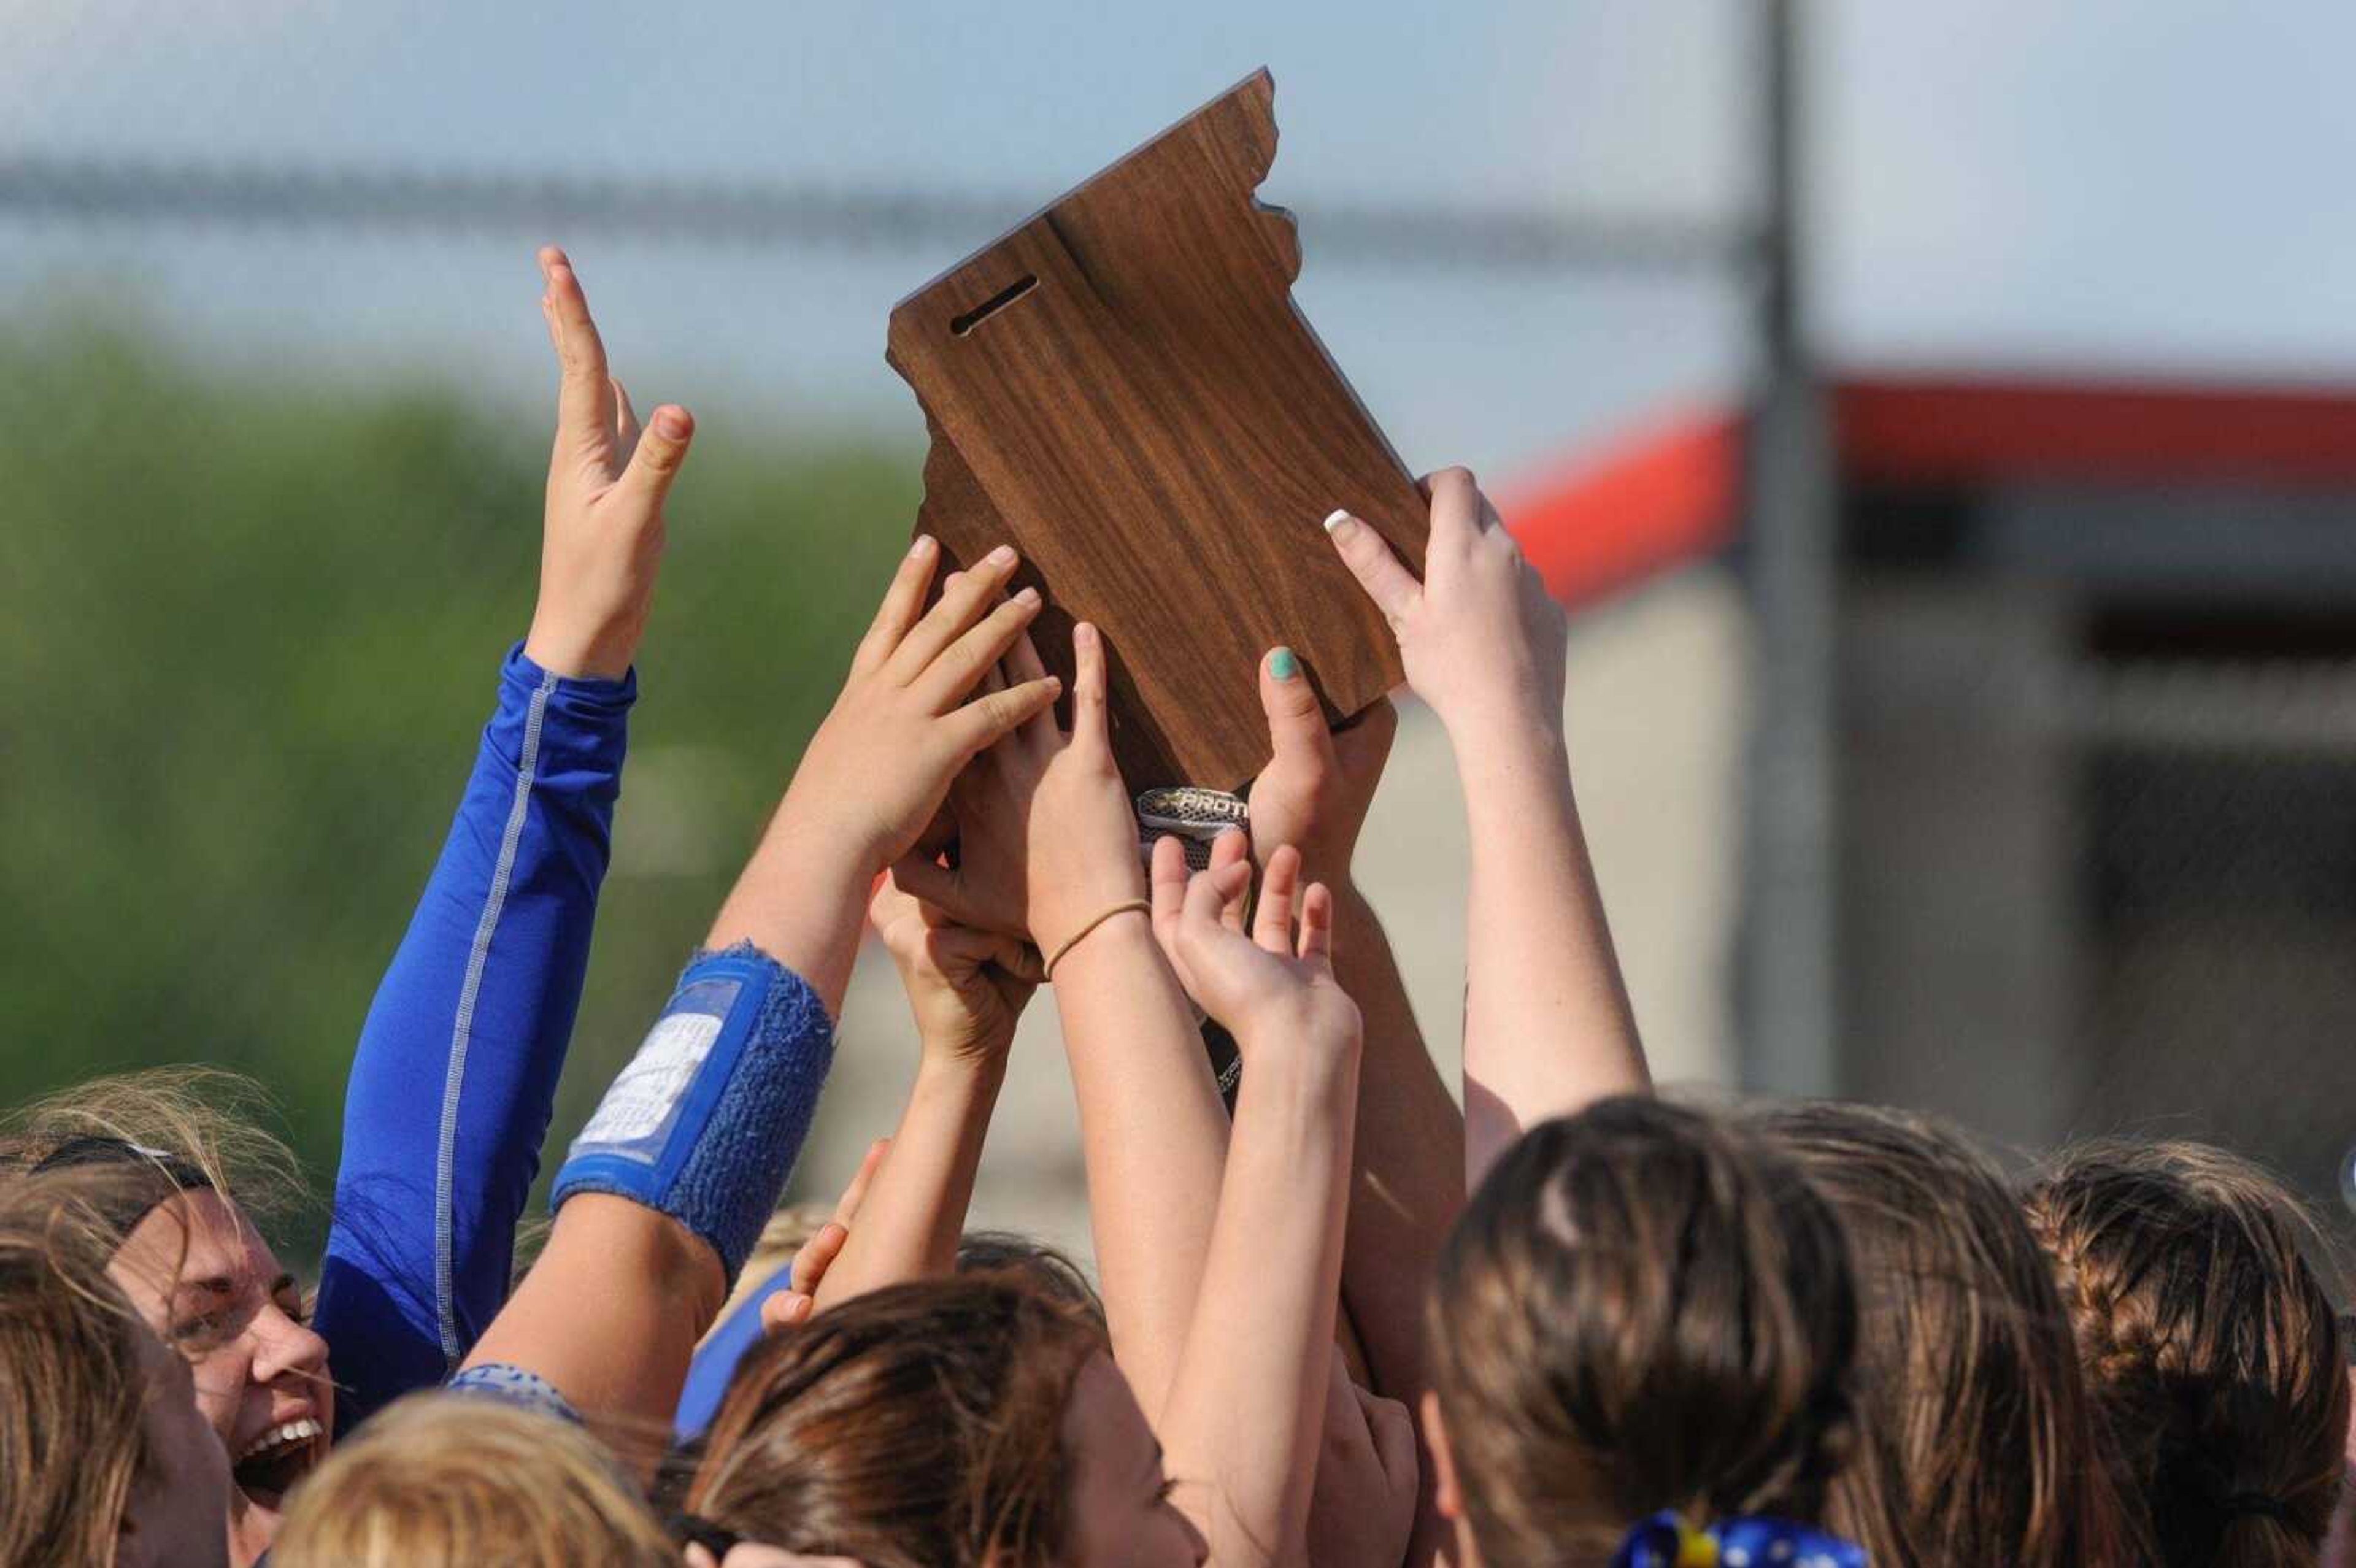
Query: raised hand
x=602, y=536
x=1548, y=1026
x=879, y=768
x=1054, y=803
x=814, y=1257
x=1316, y=788
x=1170, y=876
x=966, y=987
x=1481, y=641
x=1273, y=992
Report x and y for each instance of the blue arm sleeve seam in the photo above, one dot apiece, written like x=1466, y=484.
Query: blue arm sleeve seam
x=461, y=1029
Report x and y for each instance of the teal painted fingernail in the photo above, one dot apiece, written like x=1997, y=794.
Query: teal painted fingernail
x=1283, y=664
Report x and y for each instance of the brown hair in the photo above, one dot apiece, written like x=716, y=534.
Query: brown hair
x=444, y=1479
x=1980, y=1443
x=916, y=1426
x=1049, y=1267
x=201, y=1117
x=1643, y=1307
x=70, y=1449
x=2207, y=1341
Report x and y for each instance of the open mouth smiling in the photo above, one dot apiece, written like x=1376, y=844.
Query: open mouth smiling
x=273, y=1463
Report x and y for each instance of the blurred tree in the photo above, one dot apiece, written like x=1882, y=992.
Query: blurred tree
x=248, y=632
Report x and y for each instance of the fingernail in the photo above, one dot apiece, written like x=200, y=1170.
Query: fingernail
x=1283, y=664
x=922, y=543
x=1002, y=556
x=1083, y=634
x=1055, y=686
x=800, y=1310
x=1028, y=597
x=1335, y=518
x=671, y=424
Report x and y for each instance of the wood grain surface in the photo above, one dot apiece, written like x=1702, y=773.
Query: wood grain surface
x=1123, y=388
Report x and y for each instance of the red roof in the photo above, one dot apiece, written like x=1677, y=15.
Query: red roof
x=1671, y=491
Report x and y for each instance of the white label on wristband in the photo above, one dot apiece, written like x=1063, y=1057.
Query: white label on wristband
x=636, y=1116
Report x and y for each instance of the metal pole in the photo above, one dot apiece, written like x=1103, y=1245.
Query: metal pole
x=1789, y=976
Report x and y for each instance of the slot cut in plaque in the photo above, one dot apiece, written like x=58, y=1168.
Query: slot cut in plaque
x=1006, y=296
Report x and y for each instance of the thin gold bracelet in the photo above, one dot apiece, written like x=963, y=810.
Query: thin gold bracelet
x=1138, y=905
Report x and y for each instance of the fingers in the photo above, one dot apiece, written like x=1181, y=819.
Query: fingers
x=1296, y=719
x=656, y=461
x=960, y=949
x=1233, y=848
x=1488, y=520
x=965, y=596
x=1211, y=894
x=785, y=1309
x=1317, y=925
x=625, y=417
x=1023, y=663
x=1090, y=724
x=1023, y=962
x=903, y=603
x=1273, y=927
x=1168, y=887
x=846, y=1208
x=584, y=394
x=926, y=880
x=891, y=904
x=815, y=1256
x=1456, y=505
x=1391, y=586
x=966, y=663
x=993, y=715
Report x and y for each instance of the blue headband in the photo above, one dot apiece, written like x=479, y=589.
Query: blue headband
x=1665, y=1541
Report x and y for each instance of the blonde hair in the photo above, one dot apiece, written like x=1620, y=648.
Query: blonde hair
x=445, y=1481
x=215, y=1121
x=68, y=1459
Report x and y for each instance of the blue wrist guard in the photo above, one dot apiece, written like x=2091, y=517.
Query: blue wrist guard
x=705, y=1122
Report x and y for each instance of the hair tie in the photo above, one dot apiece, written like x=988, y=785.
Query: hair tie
x=1746, y=1541
x=2244, y=1505
x=694, y=1529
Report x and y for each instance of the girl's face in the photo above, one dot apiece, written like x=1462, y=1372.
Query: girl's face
x=1121, y=1515
x=210, y=1289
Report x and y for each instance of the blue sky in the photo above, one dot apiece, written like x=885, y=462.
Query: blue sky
x=2104, y=186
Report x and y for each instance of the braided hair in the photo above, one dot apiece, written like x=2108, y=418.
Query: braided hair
x=2209, y=1345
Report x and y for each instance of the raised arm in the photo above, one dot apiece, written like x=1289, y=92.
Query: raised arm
x=1548, y=1028
x=1407, y=1180
x=967, y=989
x=1153, y=1130
x=666, y=1190
x=455, y=1071
x=1249, y=1403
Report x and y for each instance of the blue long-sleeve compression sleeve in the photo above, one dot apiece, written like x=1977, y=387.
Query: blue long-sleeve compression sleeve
x=455, y=1074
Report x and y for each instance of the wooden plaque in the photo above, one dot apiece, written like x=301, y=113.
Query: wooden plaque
x=1122, y=387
